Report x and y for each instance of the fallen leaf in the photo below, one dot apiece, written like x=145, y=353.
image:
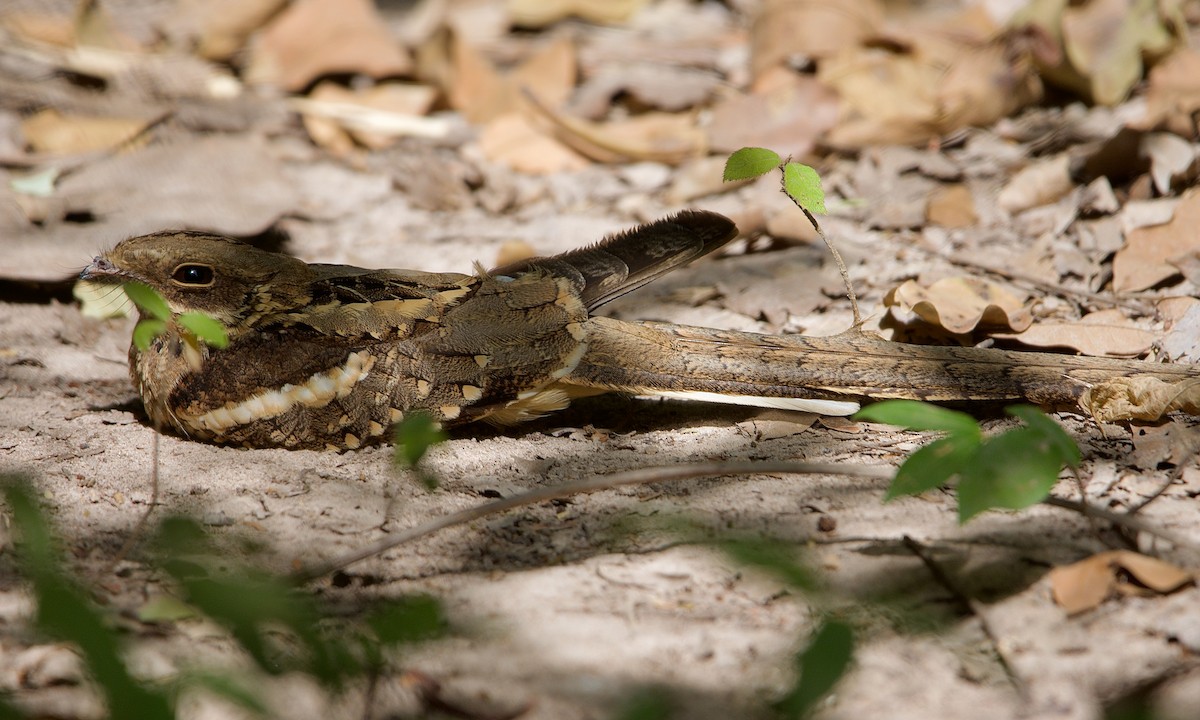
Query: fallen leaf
x=789, y=117
x=669, y=138
x=1144, y=261
x=952, y=206
x=1040, y=183
x=540, y=13
x=960, y=305
x=482, y=93
x=772, y=424
x=512, y=140
x=654, y=85
x=785, y=30
x=1107, y=333
x=1084, y=585
x=889, y=97
x=1170, y=158
x=984, y=83
x=1173, y=93
x=312, y=38
x=50, y=132
x=223, y=26
x=1140, y=397
x=1182, y=342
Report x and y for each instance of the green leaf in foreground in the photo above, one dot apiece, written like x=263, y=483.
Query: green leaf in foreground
x=821, y=665
x=775, y=557
x=1050, y=432
x=804, y=185
x=933, y=465
x=750, y=162
x=149, y=301
x=1013, y=470
x=415, y=434
x=916, y=415
x=408, y=620
x=206, y=328
x=145, y=331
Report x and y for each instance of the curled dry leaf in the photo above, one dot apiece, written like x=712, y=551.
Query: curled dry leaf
x=1083, y=585
x=312, y=38
x=952, y=206
x=960, y=305
x=1140, y=397
x=888, y=97
x=1145, y=259
x=1104, y=333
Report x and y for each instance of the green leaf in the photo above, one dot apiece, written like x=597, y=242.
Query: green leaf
x=1013, y=470
x=646, y=704
x=750, y=162
x=916, y=415
x=415, y=434
x=165, y=608
x=407, y=620
x=775, y=557
x=821, y=665
x=1051, y=432
x=933, y=465
x=225, y=686
x=145, y=332
x=149, y=301
x=208, y=329
x=804, y=185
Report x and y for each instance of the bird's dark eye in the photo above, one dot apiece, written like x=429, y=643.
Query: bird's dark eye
x=193, y=274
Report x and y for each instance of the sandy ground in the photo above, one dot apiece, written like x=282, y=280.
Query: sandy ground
x=564, y=609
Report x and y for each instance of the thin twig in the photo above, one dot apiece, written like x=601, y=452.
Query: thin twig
x=1123, y=520
x=640, y=476
x=969, y=605
x=837, y=256
x=139, y=528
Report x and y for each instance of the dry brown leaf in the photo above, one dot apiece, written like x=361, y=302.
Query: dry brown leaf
x=1173, y=93
x=888, y=97
x=1171, y=157
x=1039, y=183
x=789, y=117
x=540, y=13
x=772, y=424
x=512, y=140
x=787, y=29
x=1103, y=333
x=652, y=84
x=1145, y=259
x=1141, y=397
x=1083, y=585
x=984, y=83
x=669, y=138
x=482, y=93
x=50, y=29
x=952, y=206
x=223, y=26
x=312, y=38
x=50, y=132
x=960, y=305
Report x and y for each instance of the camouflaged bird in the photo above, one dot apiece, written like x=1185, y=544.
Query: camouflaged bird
x=330, y=356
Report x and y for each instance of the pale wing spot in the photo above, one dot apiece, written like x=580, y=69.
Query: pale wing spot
x=471, y=393
x=577, y=331
x=571, y=362
x=317, y=391
x=352, y=441
x=396, y=415
x=482, y=360
x=344, y=420
x=451, y=412
x=375, y=429
x=423, y=388
x=330, y=447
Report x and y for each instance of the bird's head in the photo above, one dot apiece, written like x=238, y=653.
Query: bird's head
x=231, y=281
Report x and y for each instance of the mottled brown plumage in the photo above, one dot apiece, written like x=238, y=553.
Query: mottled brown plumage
x=330, y=356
